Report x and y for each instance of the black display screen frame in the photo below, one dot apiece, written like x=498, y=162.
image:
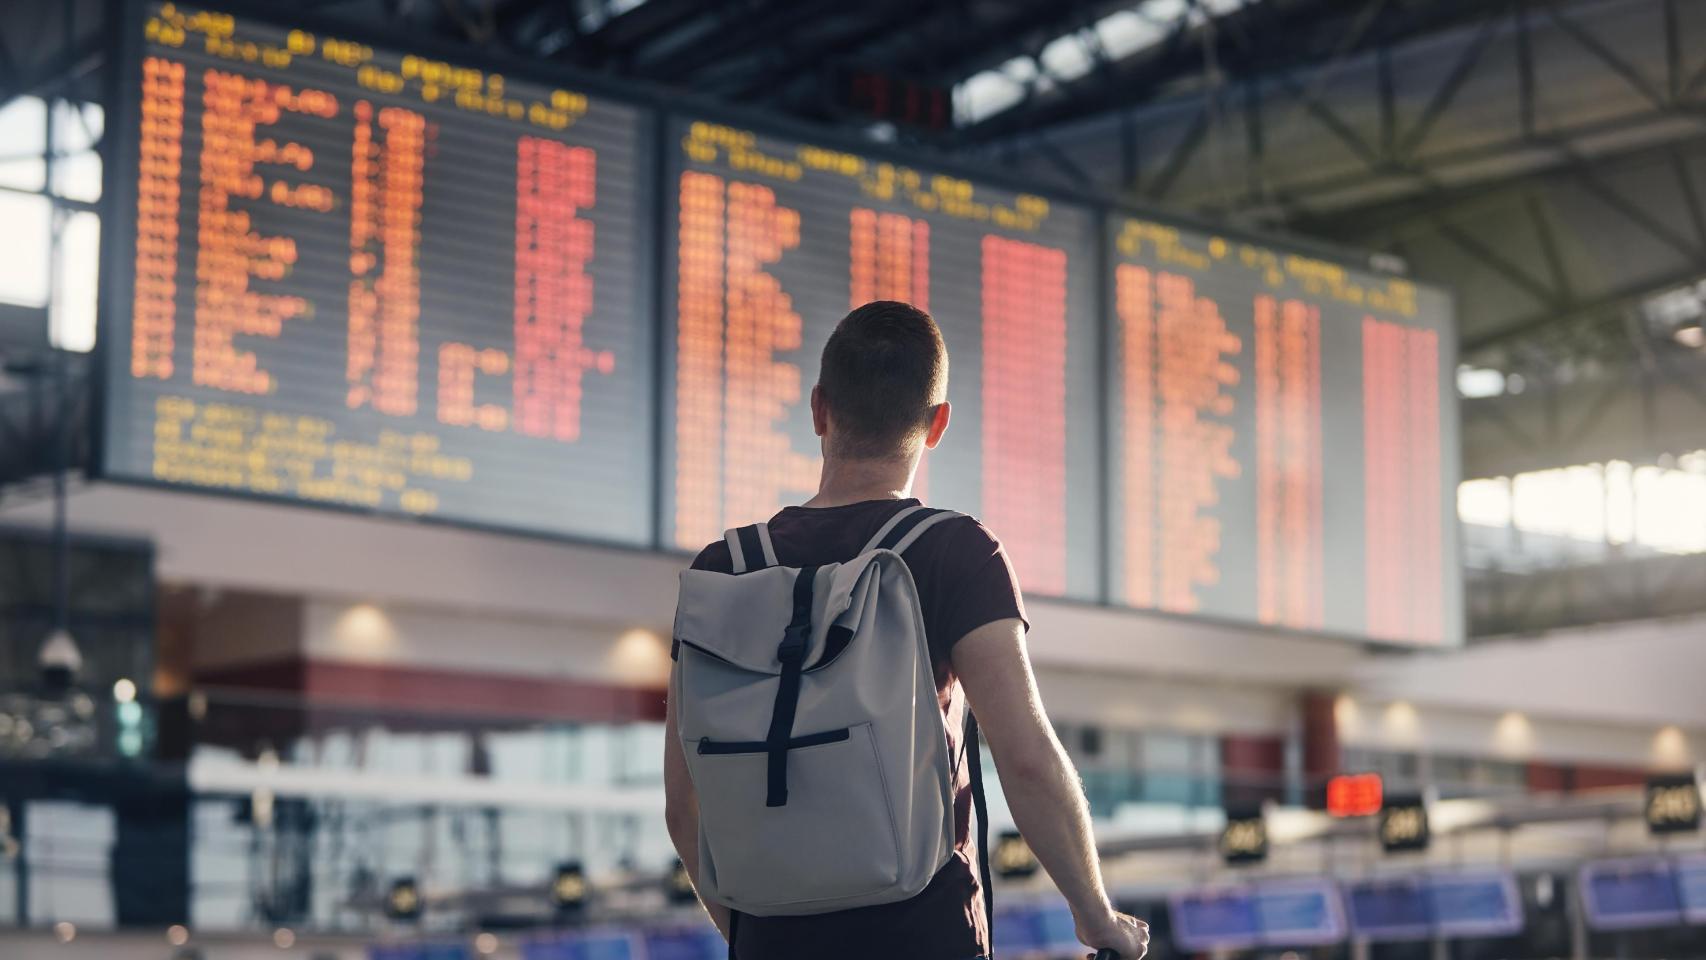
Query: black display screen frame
x=120, y=164
x=1450, y=356
x=669, y=167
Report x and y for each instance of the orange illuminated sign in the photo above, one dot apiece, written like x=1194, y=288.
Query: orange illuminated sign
x=1354, y=795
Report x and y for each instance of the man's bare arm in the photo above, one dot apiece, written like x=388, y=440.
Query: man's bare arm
x=681, y=812
x=1038, y=779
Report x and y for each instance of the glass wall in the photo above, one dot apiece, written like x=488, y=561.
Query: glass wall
x=1585, y=514
x=50, y=179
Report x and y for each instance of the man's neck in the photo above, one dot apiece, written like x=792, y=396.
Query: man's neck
x=855, y=481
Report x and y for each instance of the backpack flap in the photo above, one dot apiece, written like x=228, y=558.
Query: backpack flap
x=741, y=619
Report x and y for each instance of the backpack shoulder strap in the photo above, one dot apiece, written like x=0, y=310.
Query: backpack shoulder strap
x=884, y=530
x=918, y=529
x=980, y=808
x=749, y=547
x=906, y=526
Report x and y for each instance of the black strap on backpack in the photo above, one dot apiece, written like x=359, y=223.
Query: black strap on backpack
x=974, y=757
x=792, y=654
x=750, y=548
x=903, y=524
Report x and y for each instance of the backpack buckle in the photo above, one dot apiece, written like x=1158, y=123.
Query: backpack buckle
x=793, y=645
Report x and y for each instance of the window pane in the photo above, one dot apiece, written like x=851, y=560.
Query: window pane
x=77, y=167
x=76, y=126
x=1670, y=509
x=23, y=248
x=23, y=125
x=77, y=176
x=1487, y=502
x=72, y=319
x=1167, y=773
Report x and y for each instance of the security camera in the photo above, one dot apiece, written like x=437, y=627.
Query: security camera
x=60, y=661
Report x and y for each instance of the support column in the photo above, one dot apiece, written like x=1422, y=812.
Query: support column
x=1252, y=770
x=1321, y=755
x=16, y=809
x=150, y=866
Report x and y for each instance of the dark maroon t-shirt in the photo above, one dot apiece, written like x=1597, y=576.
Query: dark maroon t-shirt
x=964, y=581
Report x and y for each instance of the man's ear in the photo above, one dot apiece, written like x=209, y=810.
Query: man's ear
x=820, y=412
x=938, y=425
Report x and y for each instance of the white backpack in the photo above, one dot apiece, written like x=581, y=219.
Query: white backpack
x=806, y=705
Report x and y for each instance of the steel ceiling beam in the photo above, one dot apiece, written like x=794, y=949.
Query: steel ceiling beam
x=1565, y=311
x=1590, y=181
x=1499, y=264
x=977, y=46
x=1408, y=169
x=1690, y=196
x=1446, y=94
x=760, y=24
x=772, y=82
x=8, y=65
x=1385, y=220
x=1625, y=296
x=1312, y=30
x=65, y=67
x=1606, y=55
x=1181, y=155
x=623, y=34
x=1549, y=248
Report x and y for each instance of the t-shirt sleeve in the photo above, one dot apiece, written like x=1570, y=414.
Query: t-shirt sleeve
x=972, y=583
x=715, y=557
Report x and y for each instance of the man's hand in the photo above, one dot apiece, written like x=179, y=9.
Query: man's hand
x=1125, y=935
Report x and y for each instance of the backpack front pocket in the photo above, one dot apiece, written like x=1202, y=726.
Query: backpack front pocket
x=834, y=839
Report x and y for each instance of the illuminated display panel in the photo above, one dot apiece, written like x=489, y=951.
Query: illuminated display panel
x=776, y=239
x=1300, y=912
x=1691, y=886
x=1475, y=904
x=1390, y=909
x=1210, y=920
x=370, y=278
x=1284, y=439
x=1631, y=894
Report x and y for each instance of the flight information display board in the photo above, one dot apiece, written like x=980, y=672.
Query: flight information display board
x=1284, y=435
x=777, y=239
x=372, y=278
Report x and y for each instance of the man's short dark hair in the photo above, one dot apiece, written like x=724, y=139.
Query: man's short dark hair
x=885, y=369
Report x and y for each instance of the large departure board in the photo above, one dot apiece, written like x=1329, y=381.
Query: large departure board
x=391, y=280
x=1284, y=439
x=776, y=239
x=373, y=278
